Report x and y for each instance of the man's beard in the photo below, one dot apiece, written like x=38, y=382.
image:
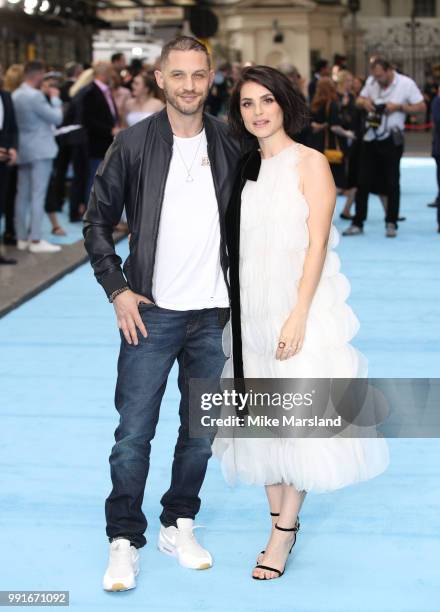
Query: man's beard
x=192, y=109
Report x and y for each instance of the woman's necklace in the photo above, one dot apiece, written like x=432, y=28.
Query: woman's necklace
x=189, y=177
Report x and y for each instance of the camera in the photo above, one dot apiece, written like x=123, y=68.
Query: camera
x=374, y=117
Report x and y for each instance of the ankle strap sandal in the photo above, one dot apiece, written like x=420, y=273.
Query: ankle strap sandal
x=295, y=530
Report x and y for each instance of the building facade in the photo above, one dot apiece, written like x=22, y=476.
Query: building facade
x=405, y=31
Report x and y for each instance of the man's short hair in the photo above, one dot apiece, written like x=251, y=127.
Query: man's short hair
x=380, y=61
x=320, y=64
x=32, y=68
x=116, y=57
x=183, y=43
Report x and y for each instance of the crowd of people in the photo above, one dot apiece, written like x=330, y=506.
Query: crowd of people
x=55, y=129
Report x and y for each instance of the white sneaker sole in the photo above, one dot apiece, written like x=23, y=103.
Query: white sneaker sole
x=120, y=586
x=170, y=550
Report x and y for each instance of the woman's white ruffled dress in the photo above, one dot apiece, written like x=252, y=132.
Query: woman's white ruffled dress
x=273, y=241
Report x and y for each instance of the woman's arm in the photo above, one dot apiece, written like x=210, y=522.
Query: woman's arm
x=320, y=193
x=335, y=122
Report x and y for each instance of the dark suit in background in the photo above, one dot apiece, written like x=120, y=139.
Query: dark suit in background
x=435, y=109
x=72, y=149
x=99, y=121
x=8, y=140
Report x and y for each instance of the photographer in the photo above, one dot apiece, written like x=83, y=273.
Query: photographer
x=387, y=98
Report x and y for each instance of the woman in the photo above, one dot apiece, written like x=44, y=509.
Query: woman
x=143, y=102
x=327, y=130
x=49, y=82
x=289, y=317
x=120, y=94
x=358, y=85
x=350, y=120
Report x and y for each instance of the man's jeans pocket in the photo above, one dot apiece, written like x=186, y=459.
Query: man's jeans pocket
x=145, y=306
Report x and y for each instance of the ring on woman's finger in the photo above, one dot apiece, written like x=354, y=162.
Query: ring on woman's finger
x=281, y=344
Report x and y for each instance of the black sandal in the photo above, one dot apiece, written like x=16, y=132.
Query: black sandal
x=274, y=569
x=297, y=526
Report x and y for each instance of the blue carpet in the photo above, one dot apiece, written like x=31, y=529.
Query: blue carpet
x=371, y=547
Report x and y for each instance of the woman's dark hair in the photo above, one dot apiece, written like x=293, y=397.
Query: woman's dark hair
x=149, y=83
x=291, y=101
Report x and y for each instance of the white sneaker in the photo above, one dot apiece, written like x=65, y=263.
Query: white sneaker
x=123, y=566
x=43, y=247
x=22, y=245
x=180, y=542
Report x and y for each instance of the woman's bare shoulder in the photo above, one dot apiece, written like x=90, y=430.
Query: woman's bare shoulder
x=311, y=158
x=312, y=163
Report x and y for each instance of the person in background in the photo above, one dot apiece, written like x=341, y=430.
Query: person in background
x=435, y=109
x=292, y=73
x=118, y=62
x=12, y=80
x=322, y=69
x=8, y=150
x=349, y=115
x=120, y=94
x=218, y=99
x=327, y=130
x=57, y=188
x=298, y=84
x=72, y=71
x=52, y=204
x=84, y=79
x=36, y=150
x=143, y=102
x=135, y=68
x=387, y=97
x=78, y=141
x=358, y=83
x=100, y=118
x=429, y=94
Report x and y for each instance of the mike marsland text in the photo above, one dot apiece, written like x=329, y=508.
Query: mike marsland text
x=249, y=420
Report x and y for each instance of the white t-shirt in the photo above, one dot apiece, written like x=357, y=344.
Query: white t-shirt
x=187, y=272
x=402, y=90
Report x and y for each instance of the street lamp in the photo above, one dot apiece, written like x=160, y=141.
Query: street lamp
x=413, y=25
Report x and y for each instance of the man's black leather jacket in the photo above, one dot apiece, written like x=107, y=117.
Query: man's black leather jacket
x=134, y=174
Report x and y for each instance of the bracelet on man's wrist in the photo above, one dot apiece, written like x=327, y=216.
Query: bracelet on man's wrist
x=116, y=293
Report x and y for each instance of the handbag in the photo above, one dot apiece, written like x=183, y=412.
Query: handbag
x=334, y=156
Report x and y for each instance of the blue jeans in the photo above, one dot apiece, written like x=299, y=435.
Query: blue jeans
x=194, y=339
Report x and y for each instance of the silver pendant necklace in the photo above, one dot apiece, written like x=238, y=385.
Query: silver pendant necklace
x=189, y=177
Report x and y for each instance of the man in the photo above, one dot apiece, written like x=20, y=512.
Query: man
x=118, y=62
x=174, y=172
x=37, y=149
x=8, y=150
x=387, y=97
x=99, y=117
